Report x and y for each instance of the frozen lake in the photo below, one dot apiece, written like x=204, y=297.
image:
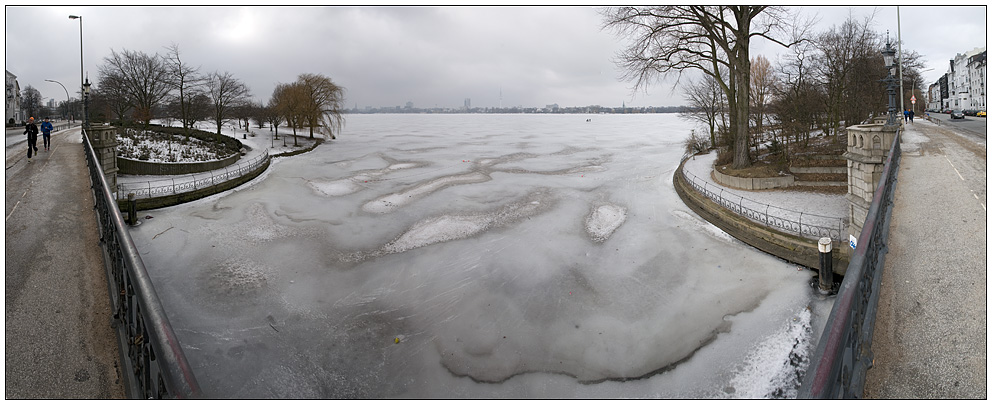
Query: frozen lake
x=477, y=256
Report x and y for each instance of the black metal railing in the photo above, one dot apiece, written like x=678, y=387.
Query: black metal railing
x=843, y=354
x=803, y=224
x=165, y=187
x=153, y=363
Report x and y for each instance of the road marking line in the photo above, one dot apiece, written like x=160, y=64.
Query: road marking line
x=955, y=169
x=12, y=211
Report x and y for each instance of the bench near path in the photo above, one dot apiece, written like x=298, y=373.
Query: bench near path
x=930, y=336
x=58, y=338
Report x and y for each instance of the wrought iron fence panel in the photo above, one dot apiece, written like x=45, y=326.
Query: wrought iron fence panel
x=804, y=224
x=153, y=364
x=168, y=187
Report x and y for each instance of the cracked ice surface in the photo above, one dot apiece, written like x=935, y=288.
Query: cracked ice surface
x=521, y=256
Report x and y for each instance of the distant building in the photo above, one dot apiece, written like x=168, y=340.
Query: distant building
x=965, y=81
x=977, y=72
x=933, y=97
x=13, y=113
x=468, y=103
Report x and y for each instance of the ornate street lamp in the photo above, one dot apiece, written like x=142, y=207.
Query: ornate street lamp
x=86, y=105
x=889, y=56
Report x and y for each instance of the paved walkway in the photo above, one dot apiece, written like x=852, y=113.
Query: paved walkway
x=930, y=335
x=57, y=334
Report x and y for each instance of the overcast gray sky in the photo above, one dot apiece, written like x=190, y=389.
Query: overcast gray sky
x=386, y=56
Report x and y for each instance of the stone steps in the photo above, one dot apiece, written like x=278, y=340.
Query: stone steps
x=821, y=183
x=820, y=169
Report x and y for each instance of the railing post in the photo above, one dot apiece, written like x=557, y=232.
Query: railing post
x=800, y=224
x=132, y=209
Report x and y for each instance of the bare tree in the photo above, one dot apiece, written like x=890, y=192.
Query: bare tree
x=259, y=114
x=243, y=112
x=323, y=102
x=762, y=83
x=225, y=92
x=141, y=78
x=706, y=104
x=291, y=104
x=797, y=96
x=115, y=95
x=841, y=50
x=31, y=102
x=712, y=39
x=272, y=114
x=188, y=85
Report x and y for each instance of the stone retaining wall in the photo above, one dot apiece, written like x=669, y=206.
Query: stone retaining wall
x=753, y=183
x=132, y=166
x=791, y=248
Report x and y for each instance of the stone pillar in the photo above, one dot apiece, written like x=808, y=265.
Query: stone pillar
x=867, y=148
x=104, y=140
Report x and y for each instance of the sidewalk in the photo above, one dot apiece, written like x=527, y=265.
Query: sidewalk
x=930, y=336
x=58, y=340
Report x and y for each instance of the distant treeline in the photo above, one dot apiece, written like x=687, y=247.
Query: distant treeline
x=595, y=109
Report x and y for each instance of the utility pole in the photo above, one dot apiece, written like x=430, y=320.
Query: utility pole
x=902, y=94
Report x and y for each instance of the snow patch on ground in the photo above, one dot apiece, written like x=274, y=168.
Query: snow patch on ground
x=603, y=220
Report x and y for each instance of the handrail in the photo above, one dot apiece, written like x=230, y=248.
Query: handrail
x=170, y=187
x=815, y=226
x=843, y=354
x=152, y=360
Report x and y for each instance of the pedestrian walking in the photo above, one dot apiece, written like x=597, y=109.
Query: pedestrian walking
x=911, y=114
x=32, y=130
x=905, y=116
x=46, y=133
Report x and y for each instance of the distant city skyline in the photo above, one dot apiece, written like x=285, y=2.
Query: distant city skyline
x=431, y=56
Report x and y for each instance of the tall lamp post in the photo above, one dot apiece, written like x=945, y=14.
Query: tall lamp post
x=80, y=18
x=889, y=55
x=66, y=96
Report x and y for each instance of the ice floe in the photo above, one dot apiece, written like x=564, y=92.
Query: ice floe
x=603, y=220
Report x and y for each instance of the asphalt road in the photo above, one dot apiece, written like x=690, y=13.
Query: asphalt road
x=930, y=337
x=972, y=125
x=58, y=339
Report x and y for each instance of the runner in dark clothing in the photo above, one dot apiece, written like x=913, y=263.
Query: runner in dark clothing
x=32, y=130
x=46, y=132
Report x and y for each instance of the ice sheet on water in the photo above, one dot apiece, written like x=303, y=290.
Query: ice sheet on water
x=498, y=281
